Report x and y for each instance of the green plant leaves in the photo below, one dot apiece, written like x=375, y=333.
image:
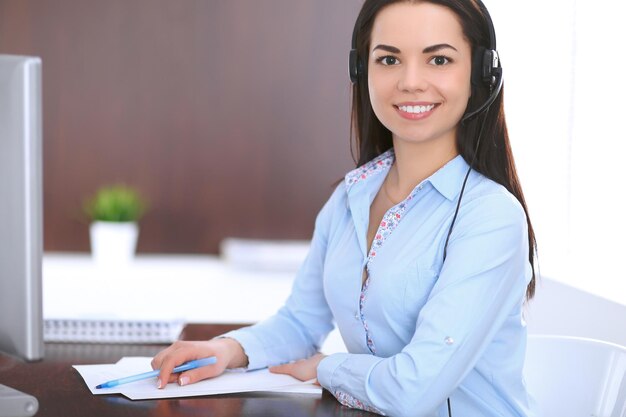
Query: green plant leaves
x=117, y=203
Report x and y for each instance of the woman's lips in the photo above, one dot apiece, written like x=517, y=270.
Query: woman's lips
x=417, y=111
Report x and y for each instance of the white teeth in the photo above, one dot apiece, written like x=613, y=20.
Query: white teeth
x=417, y=109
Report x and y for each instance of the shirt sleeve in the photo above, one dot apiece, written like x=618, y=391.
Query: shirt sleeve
x=300, y=327
x=481, y=282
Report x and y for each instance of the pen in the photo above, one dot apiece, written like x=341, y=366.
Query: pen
x=181, y=368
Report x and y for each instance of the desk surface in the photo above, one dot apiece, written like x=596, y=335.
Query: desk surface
x=61, y=391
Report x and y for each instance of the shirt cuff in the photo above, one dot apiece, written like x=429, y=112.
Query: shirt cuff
x=252, y=348
x=327, y=367
x=326, y=370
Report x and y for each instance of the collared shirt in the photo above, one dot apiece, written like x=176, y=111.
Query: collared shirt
x=418, y=330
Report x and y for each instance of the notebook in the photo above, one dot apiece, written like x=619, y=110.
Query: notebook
x=231, y=381
x=111, y=331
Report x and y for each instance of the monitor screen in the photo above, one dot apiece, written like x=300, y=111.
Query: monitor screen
x=21, y=221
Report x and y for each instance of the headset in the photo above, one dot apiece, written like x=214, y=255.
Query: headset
x=486, y=70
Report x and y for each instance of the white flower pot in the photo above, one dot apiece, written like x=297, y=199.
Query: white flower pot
x=113, y=243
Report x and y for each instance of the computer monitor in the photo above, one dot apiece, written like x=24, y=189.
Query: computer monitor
x=21, y=221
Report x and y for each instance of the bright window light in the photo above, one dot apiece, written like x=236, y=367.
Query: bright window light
x=564, y=80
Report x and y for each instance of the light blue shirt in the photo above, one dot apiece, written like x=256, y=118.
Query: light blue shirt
x=419, y=330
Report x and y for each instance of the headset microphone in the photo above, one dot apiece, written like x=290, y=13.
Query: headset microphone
x=495, y=86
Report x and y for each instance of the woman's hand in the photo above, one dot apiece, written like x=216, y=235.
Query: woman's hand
x=228, y=352
x=303, y=370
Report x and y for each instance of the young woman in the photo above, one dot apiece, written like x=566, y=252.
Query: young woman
x=424, y=254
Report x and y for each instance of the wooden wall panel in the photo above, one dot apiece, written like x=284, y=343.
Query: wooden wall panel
x=231, y=116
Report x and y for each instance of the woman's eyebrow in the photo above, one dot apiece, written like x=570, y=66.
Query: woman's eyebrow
x=438, y=47
x=427, y=50
x=387, y=48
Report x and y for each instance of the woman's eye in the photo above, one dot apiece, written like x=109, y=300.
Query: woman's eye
x=440, y=60
x=388, y=60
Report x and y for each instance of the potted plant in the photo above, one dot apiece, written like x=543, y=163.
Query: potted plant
x=114, y=212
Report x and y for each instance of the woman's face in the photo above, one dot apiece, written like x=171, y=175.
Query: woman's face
x=419, y=72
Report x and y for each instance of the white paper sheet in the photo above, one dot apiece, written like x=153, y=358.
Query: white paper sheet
x=229, y=382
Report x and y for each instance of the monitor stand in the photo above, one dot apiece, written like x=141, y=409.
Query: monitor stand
x=14, y=403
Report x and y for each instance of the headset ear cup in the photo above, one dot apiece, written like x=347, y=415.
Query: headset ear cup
x=360, y=67
x=488, y=68
x=483, y=67
x=477, y=66
x=354, y=66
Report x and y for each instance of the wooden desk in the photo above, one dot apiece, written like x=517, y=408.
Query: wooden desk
x=61, y=391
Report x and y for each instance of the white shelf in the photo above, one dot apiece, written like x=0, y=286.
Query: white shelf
x=194, y=288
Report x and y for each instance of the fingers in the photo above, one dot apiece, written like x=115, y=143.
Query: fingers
x=169, y=362
x=181, y=352
x=299, y=370
x=282, y=369
x=158, y=358
x=304, y=370
x=195, y=375
x=293, y=370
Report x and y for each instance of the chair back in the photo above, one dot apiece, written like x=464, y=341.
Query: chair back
x=576, y=377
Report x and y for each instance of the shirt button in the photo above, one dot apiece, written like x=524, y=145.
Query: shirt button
x=356, y=316
x=449, y=340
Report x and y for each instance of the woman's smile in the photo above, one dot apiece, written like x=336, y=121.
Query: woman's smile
x=416, y=111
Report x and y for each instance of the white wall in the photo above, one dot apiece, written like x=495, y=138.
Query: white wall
x=563, y=67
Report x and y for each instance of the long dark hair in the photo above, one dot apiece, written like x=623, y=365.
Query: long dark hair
x=494, y=158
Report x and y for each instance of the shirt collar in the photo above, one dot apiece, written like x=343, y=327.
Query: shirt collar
x=447, y=180
x=379, y=164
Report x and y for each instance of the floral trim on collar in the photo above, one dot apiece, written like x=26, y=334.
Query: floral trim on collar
x=384, y=160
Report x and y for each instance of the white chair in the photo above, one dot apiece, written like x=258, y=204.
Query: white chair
x=576, y=377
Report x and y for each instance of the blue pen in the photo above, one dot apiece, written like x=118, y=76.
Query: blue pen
x=184, y=367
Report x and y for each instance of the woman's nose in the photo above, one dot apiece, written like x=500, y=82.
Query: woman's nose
x=412, y=78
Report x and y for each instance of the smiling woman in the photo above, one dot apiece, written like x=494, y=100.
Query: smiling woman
x=424, y=255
